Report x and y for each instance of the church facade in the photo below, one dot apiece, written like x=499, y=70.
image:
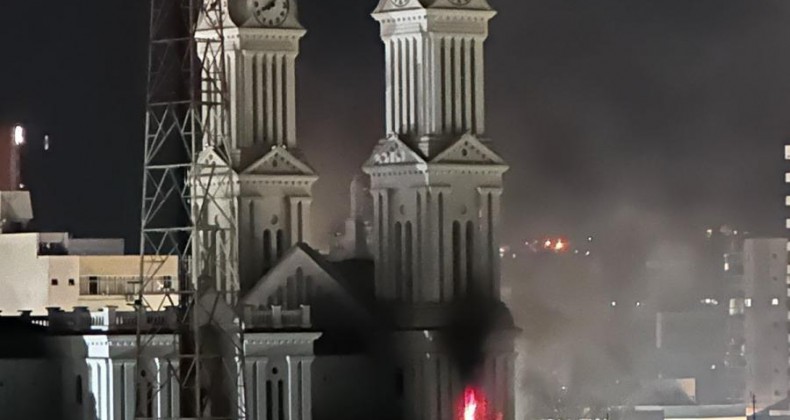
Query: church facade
x=401, y=325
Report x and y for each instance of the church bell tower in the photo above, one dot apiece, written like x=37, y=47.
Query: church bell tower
x=436, y=184
x=435, y=180
x=274, y=182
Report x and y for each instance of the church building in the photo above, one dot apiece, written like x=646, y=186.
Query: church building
x=404, y=321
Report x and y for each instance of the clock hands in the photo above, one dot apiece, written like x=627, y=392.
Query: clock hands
x=270, y=5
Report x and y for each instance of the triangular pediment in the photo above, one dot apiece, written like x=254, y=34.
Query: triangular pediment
x=469, y=149
x=210, y=156
x=393, y=5
x=279, y=161
x=393, y=151
x=312, y=272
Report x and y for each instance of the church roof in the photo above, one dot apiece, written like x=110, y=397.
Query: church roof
x=344, y=281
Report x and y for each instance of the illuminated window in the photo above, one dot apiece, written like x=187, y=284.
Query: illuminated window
x=736, y=306
x=775, y=302
x=748, y=302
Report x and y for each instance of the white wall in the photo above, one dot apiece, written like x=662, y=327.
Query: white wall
x=24, y=278
x=64, y=269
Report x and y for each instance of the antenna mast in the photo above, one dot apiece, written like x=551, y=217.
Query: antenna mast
x=189, y=213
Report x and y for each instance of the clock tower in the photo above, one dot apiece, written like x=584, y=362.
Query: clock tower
x=436, y=183
x=273, y=192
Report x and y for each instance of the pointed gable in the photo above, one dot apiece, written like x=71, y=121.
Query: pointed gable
x=279, y=161
x=469, y=149
x=393, y=151
x=305, y=277
x=210, y=157
x=393, y=5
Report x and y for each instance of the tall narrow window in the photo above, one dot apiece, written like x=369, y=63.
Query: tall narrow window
x=493, y=257
x=267, y=250
x=408, y=251
x=442, y=257
x=457, y=282
x=398, y=261
x=470, y=256
x=300, y=221
x=269, y=401
x=280, y=244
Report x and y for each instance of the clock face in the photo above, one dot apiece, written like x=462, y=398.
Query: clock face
x=271, y=12
x=460, y=2
x=400, y=3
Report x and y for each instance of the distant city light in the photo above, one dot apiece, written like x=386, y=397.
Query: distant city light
x=775, y=302
x=589, y=239
x=638, y=304
x=547, y=244
x=46, y=142
x=559, y=246
x=587, y=254
x=712, y=367
x=19, y=135
x=614, y=303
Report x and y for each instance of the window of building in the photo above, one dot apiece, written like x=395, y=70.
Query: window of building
x=54, y=282
x=93, y=285
x=736, y=306
x=748, y=302
x=167, y=284
x=775, y=302
x=71, y=282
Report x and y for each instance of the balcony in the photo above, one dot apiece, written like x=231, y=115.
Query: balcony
x=122, y=286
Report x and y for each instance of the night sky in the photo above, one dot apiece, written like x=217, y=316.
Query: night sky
x=610, y=112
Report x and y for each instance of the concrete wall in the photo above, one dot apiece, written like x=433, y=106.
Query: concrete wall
x=24, y=278
x=64, y=274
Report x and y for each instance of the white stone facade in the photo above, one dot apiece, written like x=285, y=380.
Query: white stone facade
x=435, y=181
x=273, y=183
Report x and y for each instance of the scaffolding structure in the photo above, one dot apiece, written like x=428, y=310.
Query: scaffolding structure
x=189, y=212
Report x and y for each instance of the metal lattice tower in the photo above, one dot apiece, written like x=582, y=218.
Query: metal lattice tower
x=188, y=212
